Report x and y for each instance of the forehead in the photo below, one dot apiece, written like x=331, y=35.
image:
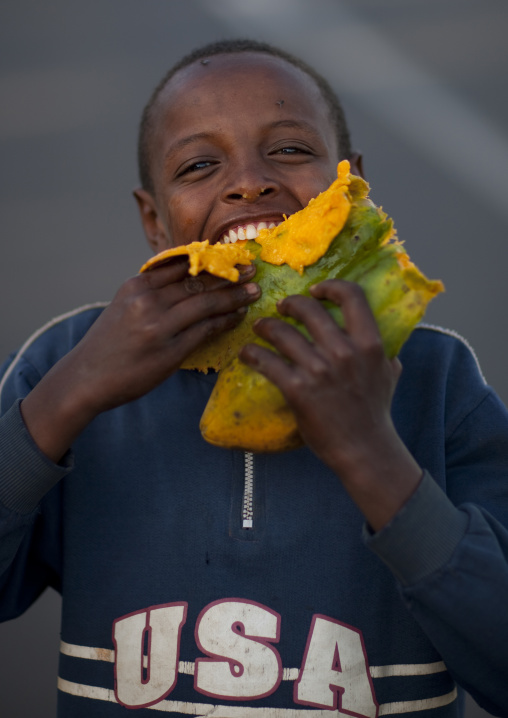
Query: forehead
x=240, y=83
x=232, y=71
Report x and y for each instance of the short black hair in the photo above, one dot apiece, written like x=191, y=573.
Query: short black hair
x=233, y=46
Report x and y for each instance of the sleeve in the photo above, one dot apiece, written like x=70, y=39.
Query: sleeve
x=29, y=544
x=449, y=552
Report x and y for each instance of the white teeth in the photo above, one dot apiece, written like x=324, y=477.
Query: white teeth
x=251, y=232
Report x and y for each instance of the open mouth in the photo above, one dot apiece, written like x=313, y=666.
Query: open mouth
x=246, y=231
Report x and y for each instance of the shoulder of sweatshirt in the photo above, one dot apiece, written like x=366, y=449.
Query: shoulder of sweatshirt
x=45, y=346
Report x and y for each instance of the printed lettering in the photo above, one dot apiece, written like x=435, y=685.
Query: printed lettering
x=237, y=634
x=335, y=673
x=147, y=645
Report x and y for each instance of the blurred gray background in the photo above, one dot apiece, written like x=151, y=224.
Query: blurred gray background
x=424, y=87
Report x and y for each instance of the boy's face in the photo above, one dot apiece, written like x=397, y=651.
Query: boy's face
x=239, y=140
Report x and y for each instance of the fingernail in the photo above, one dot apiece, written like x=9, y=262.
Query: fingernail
x=246, y=269
x=246, y=356
x=252, y=289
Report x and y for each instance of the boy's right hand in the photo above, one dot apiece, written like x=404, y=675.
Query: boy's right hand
x=154, y=322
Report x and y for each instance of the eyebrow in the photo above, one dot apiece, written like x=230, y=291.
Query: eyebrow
x=188, y=141
x=294, y=124
x=290, y=124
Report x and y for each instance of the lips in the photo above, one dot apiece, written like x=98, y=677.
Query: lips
x=245, y=231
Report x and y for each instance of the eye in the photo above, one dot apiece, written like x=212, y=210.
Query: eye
x=196, y=166
x=291, y=150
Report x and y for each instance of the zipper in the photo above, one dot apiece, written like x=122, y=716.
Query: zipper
x=248, y=491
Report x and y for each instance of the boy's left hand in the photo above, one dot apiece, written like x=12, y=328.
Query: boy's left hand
x=340, y=387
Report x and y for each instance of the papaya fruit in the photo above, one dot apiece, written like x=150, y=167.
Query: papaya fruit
x=340, y=234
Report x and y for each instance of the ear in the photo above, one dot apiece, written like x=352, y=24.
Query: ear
x=155, y=231
x=356, y=162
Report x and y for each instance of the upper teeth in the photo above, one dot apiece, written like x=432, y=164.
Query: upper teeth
x=247, y=231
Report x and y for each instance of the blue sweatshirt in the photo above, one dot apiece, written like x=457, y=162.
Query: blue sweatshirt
x=199, y=581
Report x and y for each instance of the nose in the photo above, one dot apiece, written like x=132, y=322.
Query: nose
x=247, y=183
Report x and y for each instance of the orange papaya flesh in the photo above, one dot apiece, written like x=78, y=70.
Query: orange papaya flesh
x=217, y=259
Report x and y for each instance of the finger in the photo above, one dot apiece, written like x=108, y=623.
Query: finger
x=247, y=271
x=271, y=365
x=178, y=270
x=206, y=304
x=169, y=295
x=359, y=321
x=319, y=322
x=192, y=337
x=203, y=283
x=290, y=343
x=166, y=273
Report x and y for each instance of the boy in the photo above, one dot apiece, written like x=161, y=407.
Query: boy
x=171, y=601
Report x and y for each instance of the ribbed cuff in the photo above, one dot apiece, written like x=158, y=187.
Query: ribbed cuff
x=26, y=474
x=423, y=535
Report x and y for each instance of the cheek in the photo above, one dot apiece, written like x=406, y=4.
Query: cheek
x=182, y=221
x=316, y=184
x=191, y=230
